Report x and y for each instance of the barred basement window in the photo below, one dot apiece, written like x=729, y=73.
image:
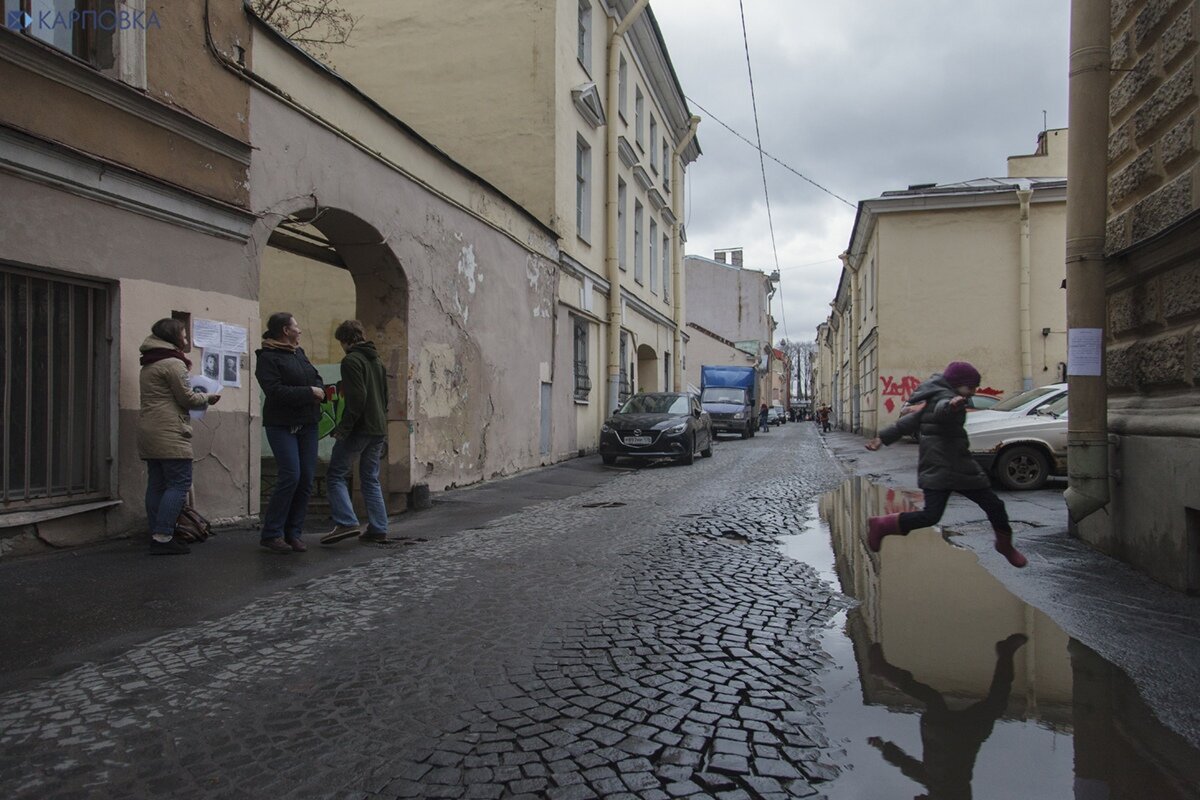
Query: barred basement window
x=54, y=389
x=583, y=383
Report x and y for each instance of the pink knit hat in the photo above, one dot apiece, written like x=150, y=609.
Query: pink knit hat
x=960, y=373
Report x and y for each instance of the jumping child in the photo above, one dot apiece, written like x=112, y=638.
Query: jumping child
x=944, y=462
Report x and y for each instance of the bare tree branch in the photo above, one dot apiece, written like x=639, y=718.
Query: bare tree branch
x=318, y=26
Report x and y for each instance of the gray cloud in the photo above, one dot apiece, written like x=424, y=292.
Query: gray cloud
x=861, y=96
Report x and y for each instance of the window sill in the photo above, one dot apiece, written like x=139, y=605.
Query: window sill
x=581, y=237
x=33, y=516
x=579, y=402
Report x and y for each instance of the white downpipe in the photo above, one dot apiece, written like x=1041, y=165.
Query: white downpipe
x=611, y=257
x=1023, y=196
x=678, y=280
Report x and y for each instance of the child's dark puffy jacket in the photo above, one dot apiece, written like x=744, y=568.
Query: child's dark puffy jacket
x=945, y=460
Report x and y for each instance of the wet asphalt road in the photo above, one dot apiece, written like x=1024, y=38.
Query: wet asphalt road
x=644, y=637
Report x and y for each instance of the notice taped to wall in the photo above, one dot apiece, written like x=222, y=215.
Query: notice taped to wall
x=1085, y=351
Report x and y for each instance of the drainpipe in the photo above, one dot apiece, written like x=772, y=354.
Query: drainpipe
x=1087, y=207
x=854, y=309
x=611, y=257
x=1023, y=196
x=677, y=277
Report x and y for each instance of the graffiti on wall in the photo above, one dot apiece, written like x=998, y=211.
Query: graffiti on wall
x=896, y=390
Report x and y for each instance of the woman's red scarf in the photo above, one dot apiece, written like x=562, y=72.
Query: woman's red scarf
x=162, y=354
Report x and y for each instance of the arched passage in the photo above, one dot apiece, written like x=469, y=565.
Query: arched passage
x=325, y=265
x=649, y=375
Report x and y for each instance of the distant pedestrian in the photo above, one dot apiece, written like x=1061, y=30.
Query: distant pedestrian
x=164, y=431
x=293, y=392
x=823, y=414
x=944, y=462
x=361, y=435
x=764, y=414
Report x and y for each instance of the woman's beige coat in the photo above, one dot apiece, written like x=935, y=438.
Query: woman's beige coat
x=164, y=427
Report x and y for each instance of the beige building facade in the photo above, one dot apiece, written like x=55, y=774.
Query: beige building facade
x=209, y=155
x=572, y=109
x=935, y=273
x=729, y=315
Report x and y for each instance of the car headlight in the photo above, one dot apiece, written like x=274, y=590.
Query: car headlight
x=605, y=429
x=675, y=430
x=740, y=415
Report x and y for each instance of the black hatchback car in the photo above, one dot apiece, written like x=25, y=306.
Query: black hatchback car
x=658, y=425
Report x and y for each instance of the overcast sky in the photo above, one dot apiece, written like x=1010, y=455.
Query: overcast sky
x=861, y=96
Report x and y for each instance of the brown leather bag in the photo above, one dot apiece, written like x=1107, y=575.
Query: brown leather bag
x=191, y=526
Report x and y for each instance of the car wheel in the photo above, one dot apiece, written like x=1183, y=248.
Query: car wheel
x=690, y=456
x=746, y=434
x=707, y=452
x=1022, y=467
x=608, y=460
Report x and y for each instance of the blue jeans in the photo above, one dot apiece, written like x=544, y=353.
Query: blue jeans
x=166, y=492
x=296, y=463
x=368, y=450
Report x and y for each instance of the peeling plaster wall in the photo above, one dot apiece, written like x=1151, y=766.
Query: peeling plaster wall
x=152, y=268
x=479, y=303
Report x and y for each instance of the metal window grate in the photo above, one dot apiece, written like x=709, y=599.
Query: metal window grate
x=53, y=334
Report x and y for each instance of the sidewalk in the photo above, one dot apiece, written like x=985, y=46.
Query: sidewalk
x=1148, y=630
x=67, y=608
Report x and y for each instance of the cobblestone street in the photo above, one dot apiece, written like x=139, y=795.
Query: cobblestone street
x=645, y=638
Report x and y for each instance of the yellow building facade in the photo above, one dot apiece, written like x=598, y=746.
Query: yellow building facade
x=934, y=273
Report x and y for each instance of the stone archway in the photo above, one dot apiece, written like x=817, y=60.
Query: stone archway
x=650, y=377
x=330, y=239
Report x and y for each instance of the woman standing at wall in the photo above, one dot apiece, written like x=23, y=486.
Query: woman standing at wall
x=164, y=434
x=292, y=391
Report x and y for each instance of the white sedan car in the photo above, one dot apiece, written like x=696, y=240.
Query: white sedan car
x=1021, y=451
x=1026, y=402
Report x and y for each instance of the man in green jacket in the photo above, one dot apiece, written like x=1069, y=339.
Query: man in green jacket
x=362, y=435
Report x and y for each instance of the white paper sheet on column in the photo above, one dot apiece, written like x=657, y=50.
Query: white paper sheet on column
x=1085, y=351
x=206, y=333
x=206, y=385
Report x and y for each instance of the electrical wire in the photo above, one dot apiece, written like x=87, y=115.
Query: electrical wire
x=762, y=164
x=786, y=166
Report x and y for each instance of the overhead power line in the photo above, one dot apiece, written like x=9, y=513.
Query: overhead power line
x=762, y=152
x=762, y=164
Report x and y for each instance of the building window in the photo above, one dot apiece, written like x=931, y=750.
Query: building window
x=622, y=85
x=583, y=189
x=654, y=256
x=653, y=139
x=54, y=388
x=639, y=107
x=62, y=24
x=622, y=223
x=637, y=241
x=666, y=166
x=585, y=35
x=666, y=266
x=583, y=383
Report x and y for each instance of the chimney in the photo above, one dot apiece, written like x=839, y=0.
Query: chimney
x=731, y=256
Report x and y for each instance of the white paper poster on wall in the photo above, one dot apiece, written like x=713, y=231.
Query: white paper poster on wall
x=1085, y=351
x=233, y=338
x=210, y=365
x=231, y=369
x=206, y=333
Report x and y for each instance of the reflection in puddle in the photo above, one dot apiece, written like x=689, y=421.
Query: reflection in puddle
x=945, y=685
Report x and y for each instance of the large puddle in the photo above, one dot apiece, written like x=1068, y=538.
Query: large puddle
x=945, y=685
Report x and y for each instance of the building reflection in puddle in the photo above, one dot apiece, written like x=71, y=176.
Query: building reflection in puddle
x=945, y=685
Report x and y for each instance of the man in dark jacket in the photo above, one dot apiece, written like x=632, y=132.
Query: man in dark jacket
x=944, y=462
x=361, y=434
